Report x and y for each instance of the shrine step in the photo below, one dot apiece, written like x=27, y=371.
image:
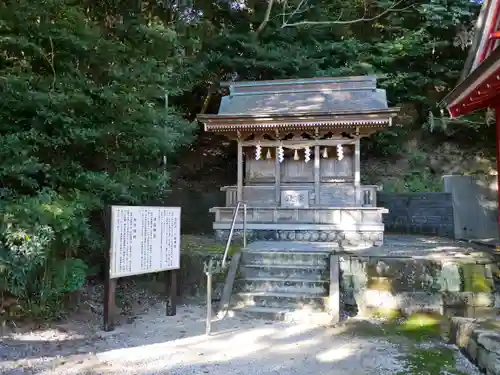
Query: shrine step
x=291, y=258
x=283, y=281
x=304, y=272
x=282, y=285
x=286, y=301
x=285, y=315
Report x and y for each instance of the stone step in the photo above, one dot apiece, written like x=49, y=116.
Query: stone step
x=288, y=301
x=281, y=285
x=285, y=315
x=285, y=258
x=313, y=273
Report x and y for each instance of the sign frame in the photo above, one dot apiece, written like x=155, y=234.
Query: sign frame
x=110, y=282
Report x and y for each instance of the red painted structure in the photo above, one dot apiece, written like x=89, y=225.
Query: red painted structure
x=479, y=86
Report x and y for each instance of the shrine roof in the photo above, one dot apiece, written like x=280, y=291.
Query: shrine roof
x=479, y=83
x=318, y=104
x=482, y=44
x=311, y=96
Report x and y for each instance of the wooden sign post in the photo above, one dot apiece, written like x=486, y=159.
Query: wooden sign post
x=142, y=239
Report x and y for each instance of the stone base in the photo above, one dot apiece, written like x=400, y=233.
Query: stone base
x=461, y=287
x=335, y=237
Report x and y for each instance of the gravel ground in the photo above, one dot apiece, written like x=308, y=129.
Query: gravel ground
x=156, y=344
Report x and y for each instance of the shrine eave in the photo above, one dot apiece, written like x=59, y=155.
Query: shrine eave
x=297, y=121
x=481, y=89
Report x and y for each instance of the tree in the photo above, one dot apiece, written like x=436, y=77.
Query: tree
x=83, y=124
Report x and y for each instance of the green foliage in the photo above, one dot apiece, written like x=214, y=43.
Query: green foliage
x=417, y=178
x=83, y=124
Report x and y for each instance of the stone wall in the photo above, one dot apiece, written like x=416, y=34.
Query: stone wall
x=454, y=287
x=418, y=213
x=479, y=341
x=474, y=205
x=192, y=280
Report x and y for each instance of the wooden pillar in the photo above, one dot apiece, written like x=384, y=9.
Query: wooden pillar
x=277, y=178
x=317, y=172
x=239, y=184
x=497, y=118
x=357, y=171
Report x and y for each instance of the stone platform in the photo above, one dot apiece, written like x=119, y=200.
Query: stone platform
x=340, y=226
x=412, y=273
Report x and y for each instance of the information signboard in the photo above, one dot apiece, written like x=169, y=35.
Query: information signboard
x=144, y=239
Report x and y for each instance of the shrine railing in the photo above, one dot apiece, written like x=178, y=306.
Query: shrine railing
x=261, y=195
x=231, y=231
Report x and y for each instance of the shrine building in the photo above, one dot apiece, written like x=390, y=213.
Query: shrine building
x=298, y=164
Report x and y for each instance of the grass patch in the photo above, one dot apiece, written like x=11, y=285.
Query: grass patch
x=431, y=361
x=419, y=336
x=205, y=245
x=416, y=328
x=422, y=327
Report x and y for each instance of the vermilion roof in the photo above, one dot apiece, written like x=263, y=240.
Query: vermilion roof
x=479, y=85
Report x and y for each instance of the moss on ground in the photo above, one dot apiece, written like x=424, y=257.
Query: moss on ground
x=420, y=337
x=205, y=245
x=433, y=360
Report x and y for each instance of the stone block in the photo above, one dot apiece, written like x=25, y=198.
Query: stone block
x=450, y=278
x=482, y=358
x=461, y=332
x=410, y=303
x=376, y=299
x=475, y=279
x=379, y=283
x=490, y=341
x=464, y=299
x=472, y=350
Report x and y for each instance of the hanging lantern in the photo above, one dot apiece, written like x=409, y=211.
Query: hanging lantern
x=258, y=151
x=296, y=155
x=307, y=154
x=325, y=153
x=268, y=155
x=340, y=152
x=281, y=154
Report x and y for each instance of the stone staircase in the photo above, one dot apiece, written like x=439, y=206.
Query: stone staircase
x=283, y=282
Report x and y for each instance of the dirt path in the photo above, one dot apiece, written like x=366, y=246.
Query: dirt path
x=156, y=344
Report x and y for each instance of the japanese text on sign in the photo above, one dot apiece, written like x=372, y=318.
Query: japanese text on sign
x=144, y=240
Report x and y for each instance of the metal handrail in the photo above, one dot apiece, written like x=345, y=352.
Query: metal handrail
x=233, y=223
x=212, y=267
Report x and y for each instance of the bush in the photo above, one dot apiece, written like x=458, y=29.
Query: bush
x=39, y=241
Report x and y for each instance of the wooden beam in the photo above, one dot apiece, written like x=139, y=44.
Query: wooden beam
x=357, y=171
x=497, y=115
x=317, y=172
x=305, y=142
x=239, y=184
x=277, y=178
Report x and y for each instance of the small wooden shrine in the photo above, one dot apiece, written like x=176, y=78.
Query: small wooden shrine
x=299, y=158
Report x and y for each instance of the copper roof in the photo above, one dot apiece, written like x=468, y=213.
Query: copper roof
x=323, y=102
